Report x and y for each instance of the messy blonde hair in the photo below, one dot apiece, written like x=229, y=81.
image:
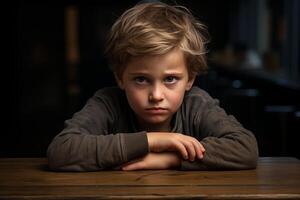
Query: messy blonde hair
x=156, y=29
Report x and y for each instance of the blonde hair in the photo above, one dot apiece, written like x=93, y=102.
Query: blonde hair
x=156, y=29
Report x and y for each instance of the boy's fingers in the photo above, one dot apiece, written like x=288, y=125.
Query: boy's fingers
x=182, y=149
x=202, y=147
x=198, y=150
x=201, y=150
x=200, y=155
x=192, y=146
x=191, y=149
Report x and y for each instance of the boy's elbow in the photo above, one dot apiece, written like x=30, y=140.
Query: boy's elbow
x=251, y=162
x=58, y=157
x=55, y=161
x=251, y=156
x=66, y=155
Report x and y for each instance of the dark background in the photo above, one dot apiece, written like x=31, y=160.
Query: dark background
x=52, y=82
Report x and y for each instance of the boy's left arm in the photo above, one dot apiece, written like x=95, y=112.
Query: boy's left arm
x=228, y=145
x=154, y=161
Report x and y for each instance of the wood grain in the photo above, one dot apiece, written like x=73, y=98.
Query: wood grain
x=29, y=178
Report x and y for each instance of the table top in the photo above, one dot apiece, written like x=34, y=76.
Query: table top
x=29, y=178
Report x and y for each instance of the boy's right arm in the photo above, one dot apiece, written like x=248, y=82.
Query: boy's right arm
x=86, y=145
x=81, y=152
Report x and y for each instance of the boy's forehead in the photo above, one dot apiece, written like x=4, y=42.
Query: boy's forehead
x=171, y=61
x=172, y=57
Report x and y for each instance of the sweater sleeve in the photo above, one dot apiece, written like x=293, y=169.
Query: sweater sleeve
x=228, y=145
x=86, y=144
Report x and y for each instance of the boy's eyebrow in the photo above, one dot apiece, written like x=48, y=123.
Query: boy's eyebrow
x=138, y=73
x=147, y=73
x=174, y=72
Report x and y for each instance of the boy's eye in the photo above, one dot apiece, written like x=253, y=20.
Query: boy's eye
x=171, y=79
x=140, y=80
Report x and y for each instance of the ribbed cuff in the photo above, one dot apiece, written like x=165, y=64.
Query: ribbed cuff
x=135, y=145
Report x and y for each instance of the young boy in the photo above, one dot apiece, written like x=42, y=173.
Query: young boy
x=155, y=119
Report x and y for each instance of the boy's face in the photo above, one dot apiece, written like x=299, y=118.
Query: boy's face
x=155, y=87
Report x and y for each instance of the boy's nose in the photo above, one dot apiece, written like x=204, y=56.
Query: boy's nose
x=156, y=94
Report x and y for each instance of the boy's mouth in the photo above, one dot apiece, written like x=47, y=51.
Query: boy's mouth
x=156, y=110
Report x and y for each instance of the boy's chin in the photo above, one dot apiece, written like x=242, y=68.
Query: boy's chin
x=156, y=120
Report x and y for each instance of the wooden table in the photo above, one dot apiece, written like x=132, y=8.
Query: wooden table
x=28, y=178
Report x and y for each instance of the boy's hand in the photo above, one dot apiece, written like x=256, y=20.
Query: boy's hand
x=155, y=161
x=187, y=146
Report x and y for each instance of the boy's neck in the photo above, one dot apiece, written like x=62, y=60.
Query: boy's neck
x=158, y=129
x=164, y=127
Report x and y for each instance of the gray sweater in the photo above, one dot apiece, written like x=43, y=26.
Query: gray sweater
x=103, y=135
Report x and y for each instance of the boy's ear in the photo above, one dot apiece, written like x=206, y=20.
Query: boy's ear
x=119, y=81
x=190, y=83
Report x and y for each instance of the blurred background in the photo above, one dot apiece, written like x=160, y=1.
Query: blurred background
x=253, y=57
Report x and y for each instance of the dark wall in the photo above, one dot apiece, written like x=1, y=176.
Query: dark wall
x=40, y=73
